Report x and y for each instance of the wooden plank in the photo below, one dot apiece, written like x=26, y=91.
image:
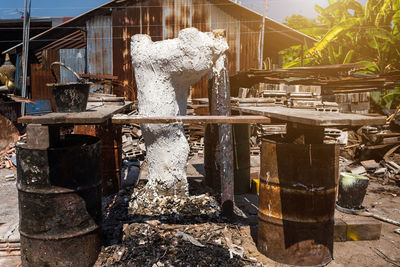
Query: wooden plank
x=125, y=119
x=312, y=117
x=93, y=115
x=363, y=228
x=340, y=231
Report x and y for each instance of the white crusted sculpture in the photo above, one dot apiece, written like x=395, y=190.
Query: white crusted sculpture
x=164, y=71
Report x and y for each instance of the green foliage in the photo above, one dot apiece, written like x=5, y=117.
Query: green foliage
x=354, y=33
x=349, y=32
x=387, y=100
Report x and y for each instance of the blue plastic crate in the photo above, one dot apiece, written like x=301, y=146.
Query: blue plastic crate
x=42, y=106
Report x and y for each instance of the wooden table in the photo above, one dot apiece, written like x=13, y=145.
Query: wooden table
x=93, y=115
x=309, y=125
x=313, y=117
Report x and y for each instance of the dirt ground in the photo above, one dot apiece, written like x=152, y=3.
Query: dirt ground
x=8, y=214
x=383, y=200
x=380, y=199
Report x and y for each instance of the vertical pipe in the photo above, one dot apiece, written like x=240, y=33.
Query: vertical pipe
x=219, y=151
x=260, y=63
x=27, y=19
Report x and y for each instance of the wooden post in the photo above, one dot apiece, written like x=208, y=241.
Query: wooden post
x=218, y=139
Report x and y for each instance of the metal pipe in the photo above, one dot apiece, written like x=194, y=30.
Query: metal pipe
x=260, y=63
x=25, y=40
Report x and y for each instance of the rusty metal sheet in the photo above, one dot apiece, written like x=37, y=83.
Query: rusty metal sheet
x=75, y=59
x=99, y=45
x=125, y=22
x=145, y=18
x=41, y=75
x=249, y=44
x=222, y=20
x=177, y=15
x=151, y=19
x=201, y=19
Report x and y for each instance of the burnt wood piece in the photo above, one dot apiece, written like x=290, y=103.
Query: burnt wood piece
x=125, y=119
x=92, y=115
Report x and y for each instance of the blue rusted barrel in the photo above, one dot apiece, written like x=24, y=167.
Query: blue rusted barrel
x=59, y=193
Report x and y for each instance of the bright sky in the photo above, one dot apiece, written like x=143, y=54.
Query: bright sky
x=277, y=9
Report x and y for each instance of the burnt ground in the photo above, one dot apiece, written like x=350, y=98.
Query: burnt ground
x=198, y=236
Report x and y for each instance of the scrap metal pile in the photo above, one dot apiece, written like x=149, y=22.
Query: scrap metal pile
x=8, y=157
x=341, y=78
x=374, y=152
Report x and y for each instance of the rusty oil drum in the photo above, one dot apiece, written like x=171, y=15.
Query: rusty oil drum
x=297, y=202
x=59, y=194
x=111, y=153
x=241, y=158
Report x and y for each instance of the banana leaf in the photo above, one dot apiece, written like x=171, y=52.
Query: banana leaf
x=333, y=34
x=382, y=34
x=348, y=57
x=382, y=12
x=391, y=98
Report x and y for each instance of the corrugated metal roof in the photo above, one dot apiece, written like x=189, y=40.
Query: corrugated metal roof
x=75, y=40
x=229, y=6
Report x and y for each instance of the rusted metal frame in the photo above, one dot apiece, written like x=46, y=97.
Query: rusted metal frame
x=125, y=119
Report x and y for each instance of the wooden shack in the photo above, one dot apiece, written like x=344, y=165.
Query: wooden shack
x=98, y=42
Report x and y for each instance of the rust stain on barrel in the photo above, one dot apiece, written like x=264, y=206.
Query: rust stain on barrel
x=297, y=200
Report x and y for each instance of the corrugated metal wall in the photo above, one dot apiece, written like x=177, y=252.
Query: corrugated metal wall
x=99, y=45
x=126, y=22
x=75, y=59
x=41, y=75
x=163, y=19
x=223, y=20
x=249, y=44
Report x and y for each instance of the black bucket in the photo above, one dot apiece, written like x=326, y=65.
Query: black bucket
x=352, y=190
x=72, y=96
